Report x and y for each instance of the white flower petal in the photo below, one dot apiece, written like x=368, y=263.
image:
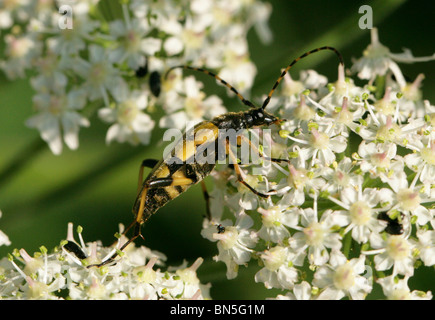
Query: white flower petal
x=173, y=46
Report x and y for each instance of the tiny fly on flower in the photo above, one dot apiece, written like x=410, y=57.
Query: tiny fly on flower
x=220, y=228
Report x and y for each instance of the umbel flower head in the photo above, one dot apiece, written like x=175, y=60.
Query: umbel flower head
x=354, y=199
x=66, y=273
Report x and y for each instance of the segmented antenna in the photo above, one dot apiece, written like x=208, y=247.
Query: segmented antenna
x=244, y=101
x=267, y=100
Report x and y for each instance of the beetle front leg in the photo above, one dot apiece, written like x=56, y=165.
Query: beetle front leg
x=240, y=176
x=261, y=153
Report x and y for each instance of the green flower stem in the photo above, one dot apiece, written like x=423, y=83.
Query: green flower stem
x=380, y=87
x=347, y=244
x=110, y=10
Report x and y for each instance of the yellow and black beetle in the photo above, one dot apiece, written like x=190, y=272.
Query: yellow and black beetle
x=167, y=181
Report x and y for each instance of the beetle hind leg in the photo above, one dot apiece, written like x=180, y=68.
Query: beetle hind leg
x=137, y=233
x=147, y=163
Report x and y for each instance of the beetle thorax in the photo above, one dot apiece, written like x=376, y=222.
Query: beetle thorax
x=258, y=117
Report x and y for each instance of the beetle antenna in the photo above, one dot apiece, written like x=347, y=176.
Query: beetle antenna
x=340, y=57
x=211, y=74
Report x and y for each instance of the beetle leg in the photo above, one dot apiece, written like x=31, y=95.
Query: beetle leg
x=240, y=176
x=261, y=153
x=137, y=222
x=137, y=233
x=147, y=163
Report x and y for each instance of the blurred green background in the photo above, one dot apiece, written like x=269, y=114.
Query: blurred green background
x=95, y=185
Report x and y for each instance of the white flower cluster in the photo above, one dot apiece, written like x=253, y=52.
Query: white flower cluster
x=4, y=239
x=113, y=66
x=69, y=274
x=354, y=205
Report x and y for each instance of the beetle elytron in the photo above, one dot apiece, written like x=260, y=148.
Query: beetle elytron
x=167, y=181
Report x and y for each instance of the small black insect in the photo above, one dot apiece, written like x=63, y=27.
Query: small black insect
x=74, y=248
x=154, y=80
x=155, y=83
x=142, y=71
x=394, y=227
x=220, y=228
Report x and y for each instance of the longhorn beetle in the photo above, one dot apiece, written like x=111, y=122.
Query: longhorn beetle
x=167, y=181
